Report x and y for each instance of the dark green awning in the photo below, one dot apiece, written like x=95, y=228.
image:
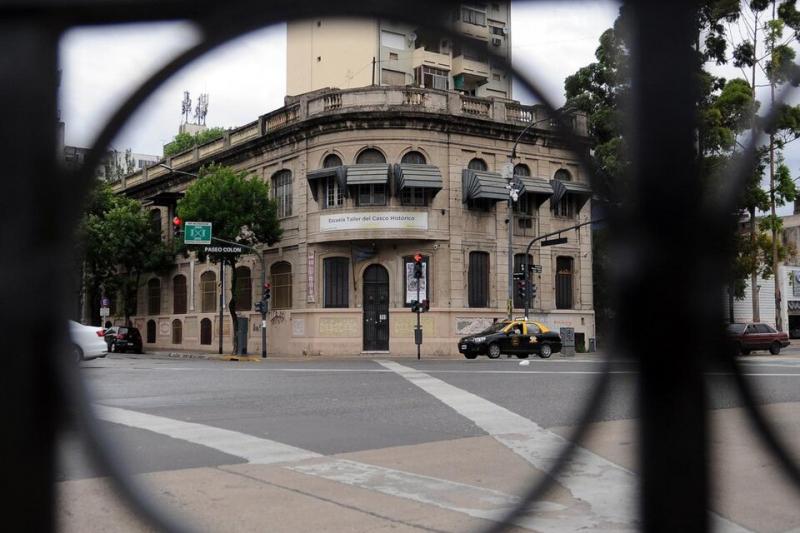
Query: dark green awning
x=580, y=191
x=368, y=174
x=340, y=173
x=419, y=176
x=476, y=185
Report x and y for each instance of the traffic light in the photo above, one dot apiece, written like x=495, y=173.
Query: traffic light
x=267, y=292
x=426, y=305
x=532, y=291
x=418, y=266
x=521, y=289
x=414, y=306
x=176, y=226
x=260, y=307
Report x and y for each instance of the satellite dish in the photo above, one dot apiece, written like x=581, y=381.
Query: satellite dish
x=412, y=36
x=797, y=276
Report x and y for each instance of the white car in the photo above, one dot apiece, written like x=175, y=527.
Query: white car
x=88, y=342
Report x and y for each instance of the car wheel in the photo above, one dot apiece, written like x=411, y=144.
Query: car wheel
x=775, y=348
x=545, y=351
x=494, y=351
x=77, y=353
x=470, y=355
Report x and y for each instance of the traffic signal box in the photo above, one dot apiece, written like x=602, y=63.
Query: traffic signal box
x=176, y=227
x=263, y=305
x=418, y=266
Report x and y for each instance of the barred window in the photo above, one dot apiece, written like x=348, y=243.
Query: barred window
x=208, y=292
x=282, y=192
x=478, y=279
x=281, y=278
x=179, y=294
x=564, y=266
x=477, y=164
x=154, y=296
x=370, y=156
x=336, y=281
x=244, y=289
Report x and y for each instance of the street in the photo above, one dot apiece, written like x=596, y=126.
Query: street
x=396, y=443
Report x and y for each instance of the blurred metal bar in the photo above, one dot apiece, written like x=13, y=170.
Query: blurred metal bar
x=33, y=307
x=663, y=264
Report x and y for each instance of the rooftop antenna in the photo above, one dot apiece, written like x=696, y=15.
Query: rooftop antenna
x=201, y=110
x=186, y=107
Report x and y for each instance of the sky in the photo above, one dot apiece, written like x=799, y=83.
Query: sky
x=247, y=78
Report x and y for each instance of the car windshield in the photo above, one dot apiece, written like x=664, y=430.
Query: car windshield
x=494, y=328
x=735, y=328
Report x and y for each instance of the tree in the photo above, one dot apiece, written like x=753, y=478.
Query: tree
x=118, y=243
x=239, y=208
x=184, y=141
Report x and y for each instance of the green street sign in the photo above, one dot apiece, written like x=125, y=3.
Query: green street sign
x=197, y=233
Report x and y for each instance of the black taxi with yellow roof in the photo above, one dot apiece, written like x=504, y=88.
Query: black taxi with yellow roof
x=512, y=337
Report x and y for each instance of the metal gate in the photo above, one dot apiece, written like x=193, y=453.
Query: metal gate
x=376, y=308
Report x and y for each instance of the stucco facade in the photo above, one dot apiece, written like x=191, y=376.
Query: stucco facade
x=327, y=256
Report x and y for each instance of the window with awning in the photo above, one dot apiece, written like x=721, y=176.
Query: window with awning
x=482, y=185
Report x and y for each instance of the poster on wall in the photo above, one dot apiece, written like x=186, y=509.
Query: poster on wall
x=411, y=282
x=310, y=272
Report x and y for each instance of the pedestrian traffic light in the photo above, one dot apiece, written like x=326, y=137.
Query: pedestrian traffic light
x=267, y=292
x=426, y=305
x=521, y=289
x=418, y=266
x=414, y=306
x=260, y=307
x=176, y=226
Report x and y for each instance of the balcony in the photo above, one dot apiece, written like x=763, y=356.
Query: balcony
x=422, y=57
x=472, y=30
x=472, y=71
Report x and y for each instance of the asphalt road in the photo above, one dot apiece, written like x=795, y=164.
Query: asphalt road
x=173, y=419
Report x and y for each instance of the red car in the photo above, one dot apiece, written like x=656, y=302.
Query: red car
x=750, y=337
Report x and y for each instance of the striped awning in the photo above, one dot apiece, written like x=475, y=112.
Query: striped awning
x=418, y=176
x=340, y=173
x=476, y=185
x=794, y=305
x=539, y=188
x=368, y=174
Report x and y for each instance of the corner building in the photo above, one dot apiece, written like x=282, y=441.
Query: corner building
x=366, y=178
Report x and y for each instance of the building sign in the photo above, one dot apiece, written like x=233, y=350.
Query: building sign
x=310, y=273
x=384, y=220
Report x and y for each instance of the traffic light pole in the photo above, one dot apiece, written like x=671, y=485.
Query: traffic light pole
x=418, y=332
x=264, y=308
x=527, y=272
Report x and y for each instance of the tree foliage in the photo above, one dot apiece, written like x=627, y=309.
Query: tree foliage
x=239, y=208
x=184, y=141
x=119, y=244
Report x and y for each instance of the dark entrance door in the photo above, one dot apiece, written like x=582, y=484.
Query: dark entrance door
x=376, y=308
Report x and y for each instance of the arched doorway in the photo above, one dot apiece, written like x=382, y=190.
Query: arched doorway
x=151, y=331
x=205, y=331
x=376, y=308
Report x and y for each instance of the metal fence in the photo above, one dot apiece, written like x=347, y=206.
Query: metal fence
x=41, y=204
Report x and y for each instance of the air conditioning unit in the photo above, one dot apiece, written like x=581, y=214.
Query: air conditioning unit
x=496, y=41
x=505, y=30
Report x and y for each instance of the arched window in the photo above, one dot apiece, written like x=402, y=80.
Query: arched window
x=244, y=289
x=522, y=169
x=205, y=331
x=280, y=275
x=332, y=191
x=564, y=266
x=370, y=156
x=563, y=174
x=179, y=294
x=154, y=296
x=155, y=220
x=177, y=331
x=282, y=192
x=477, y=164
x=413, y=158
x=151, y=331
x=478, y=286
x=208, y=292
x=374, y=193
x=332, y=160
x=413, y=195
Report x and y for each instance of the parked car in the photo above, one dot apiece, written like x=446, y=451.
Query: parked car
x=88, y=342
x=123, y=339
x=746, y=338
x=512, y=337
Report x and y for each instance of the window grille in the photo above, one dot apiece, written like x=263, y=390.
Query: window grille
x=336, y=281
x=282, y=192
x=281, y=279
